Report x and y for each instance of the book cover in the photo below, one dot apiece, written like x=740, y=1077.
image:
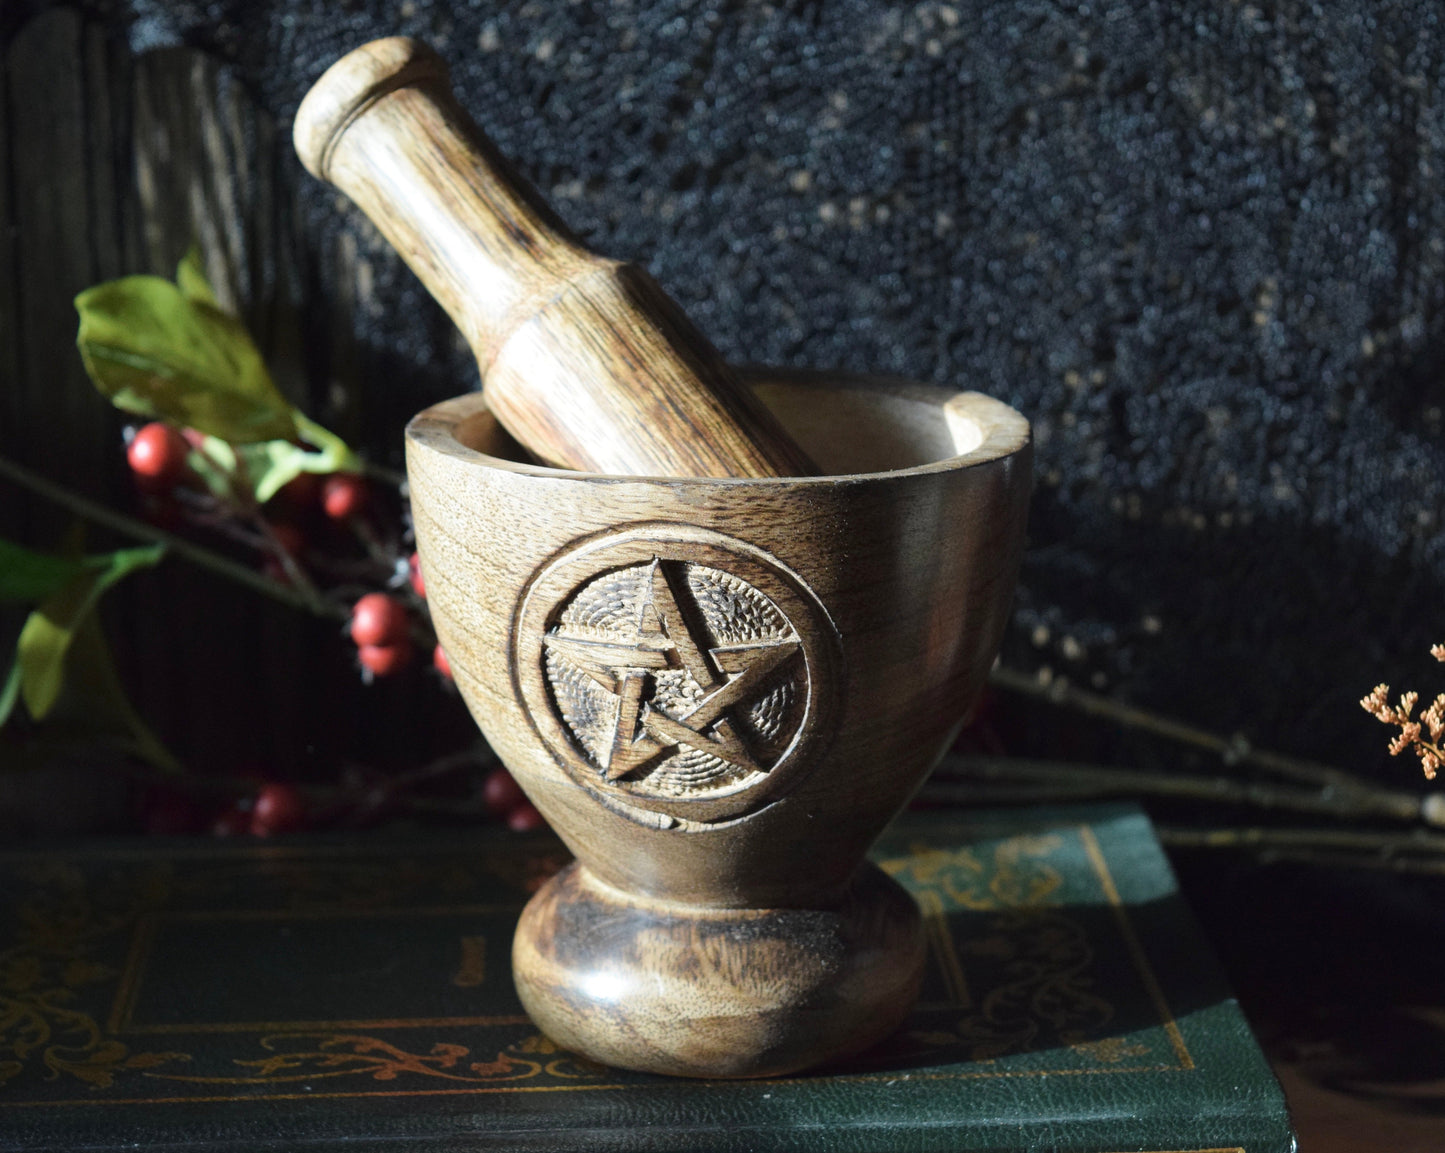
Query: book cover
x=284, y=996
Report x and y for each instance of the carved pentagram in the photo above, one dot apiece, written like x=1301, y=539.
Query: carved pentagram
x=676, y=678
x=682, y=677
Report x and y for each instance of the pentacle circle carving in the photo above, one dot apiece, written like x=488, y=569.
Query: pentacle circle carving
x=682, y=676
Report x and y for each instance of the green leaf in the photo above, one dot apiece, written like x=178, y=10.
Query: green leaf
x=9, y=693
x=277, y=462
x=164, y=351
x=27, y=576
x=191, y=279
x=47, y=634
x=272, y=463
x=215, y=463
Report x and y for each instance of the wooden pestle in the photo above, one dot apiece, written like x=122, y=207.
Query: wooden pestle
x=584, y=360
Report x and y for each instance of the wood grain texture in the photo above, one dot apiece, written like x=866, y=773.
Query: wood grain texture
x=717, y=993
x=719, y=691
x=585, y=360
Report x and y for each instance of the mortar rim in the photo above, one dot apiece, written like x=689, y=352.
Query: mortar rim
x=1006, y=432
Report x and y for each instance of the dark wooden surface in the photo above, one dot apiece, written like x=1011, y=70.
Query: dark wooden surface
x=1329, y=1121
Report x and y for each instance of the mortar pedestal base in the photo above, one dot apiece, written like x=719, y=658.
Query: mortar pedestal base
x=706, y=992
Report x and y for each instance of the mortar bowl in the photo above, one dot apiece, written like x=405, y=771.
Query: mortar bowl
x=718, y=692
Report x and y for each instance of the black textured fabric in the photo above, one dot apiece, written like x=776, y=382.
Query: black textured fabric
x=1200, y=244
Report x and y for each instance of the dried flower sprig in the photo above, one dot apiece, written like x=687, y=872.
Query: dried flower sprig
x=1412, y=732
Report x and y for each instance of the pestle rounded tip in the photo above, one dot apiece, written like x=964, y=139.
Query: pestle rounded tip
x=351, y=85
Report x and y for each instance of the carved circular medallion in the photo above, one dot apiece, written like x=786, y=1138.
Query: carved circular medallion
x=680, y=675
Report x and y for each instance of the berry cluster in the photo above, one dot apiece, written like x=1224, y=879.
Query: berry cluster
x=274, y=807
x=381, y=628
x=314, y=531
x=336, y=539
x=259, y=807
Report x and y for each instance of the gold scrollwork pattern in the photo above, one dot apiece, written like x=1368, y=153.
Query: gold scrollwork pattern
x=315, y=1056
x=42, y=975
x=1015, y=875
x=1047, y=990
x=54, y=986
x=1039, y=957
x=1020, y=971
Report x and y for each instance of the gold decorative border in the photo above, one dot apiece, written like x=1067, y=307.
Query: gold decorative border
x=1136, y=950
x=931, y=903
x=940, y=944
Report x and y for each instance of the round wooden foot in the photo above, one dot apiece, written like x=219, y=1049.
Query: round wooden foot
x=700, y=992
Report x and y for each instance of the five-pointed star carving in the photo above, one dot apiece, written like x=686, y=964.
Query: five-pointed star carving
x=673, y=637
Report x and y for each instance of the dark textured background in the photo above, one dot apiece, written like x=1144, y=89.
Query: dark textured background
x=1200, y=244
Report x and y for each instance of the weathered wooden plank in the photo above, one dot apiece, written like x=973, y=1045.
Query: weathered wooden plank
x=105, y=77
x=13, y=507
x=59, y=425
x=197, y=180
x=208, y=168
x=205, y=171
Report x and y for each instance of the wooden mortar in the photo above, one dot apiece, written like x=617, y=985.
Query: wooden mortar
x=718, y=684
x=718, y=692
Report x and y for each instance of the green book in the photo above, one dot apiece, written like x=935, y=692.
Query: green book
x=291, y=996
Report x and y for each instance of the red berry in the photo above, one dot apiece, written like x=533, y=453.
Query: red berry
x=384, y=660
x=158, y=452
x=440, y=663
x=418, y=582
x=278, y=808
x=344, y=495
x=524, y=818
x=501, y=793
x=378, y=619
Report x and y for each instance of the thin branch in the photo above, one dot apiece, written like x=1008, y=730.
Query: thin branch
x=1418, y=841
x=186, y=550
x=1097, y=780
x=394, y=790
x=1418, y=852
x=476, y=757
x=975, y=794
x=1232, y=750
x=289, y=564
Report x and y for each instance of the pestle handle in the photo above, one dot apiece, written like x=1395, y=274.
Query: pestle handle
x=585, y=361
